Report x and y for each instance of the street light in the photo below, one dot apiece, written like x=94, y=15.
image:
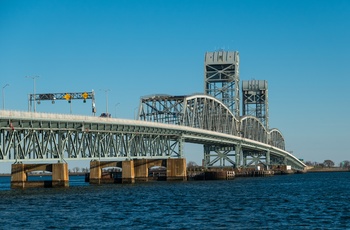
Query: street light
x=33, y=77
x=116, y=109
x=106, y=91
x=3, y=96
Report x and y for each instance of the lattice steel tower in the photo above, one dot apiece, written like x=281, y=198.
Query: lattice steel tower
x=255, y=100
x=221, y=78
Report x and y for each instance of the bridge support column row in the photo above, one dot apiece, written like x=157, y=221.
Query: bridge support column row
x=19, y=175
x=137, y=170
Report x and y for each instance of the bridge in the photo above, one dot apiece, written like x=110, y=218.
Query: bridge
x=164, y=124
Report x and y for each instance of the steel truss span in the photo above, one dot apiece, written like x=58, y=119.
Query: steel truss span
x=208, y=113
x=35, y=136
x=26, y=136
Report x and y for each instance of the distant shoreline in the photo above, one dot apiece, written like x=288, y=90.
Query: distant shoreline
x=335, y=169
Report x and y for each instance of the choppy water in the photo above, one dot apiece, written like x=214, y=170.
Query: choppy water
x=301, y=201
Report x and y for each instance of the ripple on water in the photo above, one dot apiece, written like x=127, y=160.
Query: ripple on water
x=281, y=202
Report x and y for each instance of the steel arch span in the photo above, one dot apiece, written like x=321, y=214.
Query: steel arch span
x=276, y=139
x=252, y=128
x=208, y=113
x=196, y=111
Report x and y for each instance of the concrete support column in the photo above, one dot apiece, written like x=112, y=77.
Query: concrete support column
x=18, y=176
x=95, y=172
x=141, y=169
x=60, y=176
x=176, y=169
x=128, y=173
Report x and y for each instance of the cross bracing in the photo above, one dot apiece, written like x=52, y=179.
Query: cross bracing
x=255, y=100
x=221, y=78
x=69, y=137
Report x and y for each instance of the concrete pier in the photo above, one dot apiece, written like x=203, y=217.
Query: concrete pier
x=142, y=167
x=19, y=175
x=97, y=177
x=137, y=170
x=128, y=172
x=176, y=169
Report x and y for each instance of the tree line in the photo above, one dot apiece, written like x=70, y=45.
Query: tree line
x=329, y=164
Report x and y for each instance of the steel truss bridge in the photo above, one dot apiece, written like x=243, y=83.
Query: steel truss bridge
x=164, y=124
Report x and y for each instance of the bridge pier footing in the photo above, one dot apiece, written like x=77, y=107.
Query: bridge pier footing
x=19, y=175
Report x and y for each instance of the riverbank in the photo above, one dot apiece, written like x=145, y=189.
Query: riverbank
x=332, y=169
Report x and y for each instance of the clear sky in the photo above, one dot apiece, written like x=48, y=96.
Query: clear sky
x=138, y=48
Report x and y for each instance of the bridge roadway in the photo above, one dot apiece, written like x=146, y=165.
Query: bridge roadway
x=27, y=136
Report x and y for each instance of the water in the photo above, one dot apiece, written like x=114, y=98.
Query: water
x=300, y=201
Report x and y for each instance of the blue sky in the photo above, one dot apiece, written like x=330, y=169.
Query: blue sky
x=138, y=48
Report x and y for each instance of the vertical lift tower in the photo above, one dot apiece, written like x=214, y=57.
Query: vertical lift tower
x=221, y=80
x=255, y=104
x=255, y=100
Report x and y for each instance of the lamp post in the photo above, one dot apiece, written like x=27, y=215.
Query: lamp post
x=106, y=91
x=3, y=96
x=33, y=77
x=116, y=109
